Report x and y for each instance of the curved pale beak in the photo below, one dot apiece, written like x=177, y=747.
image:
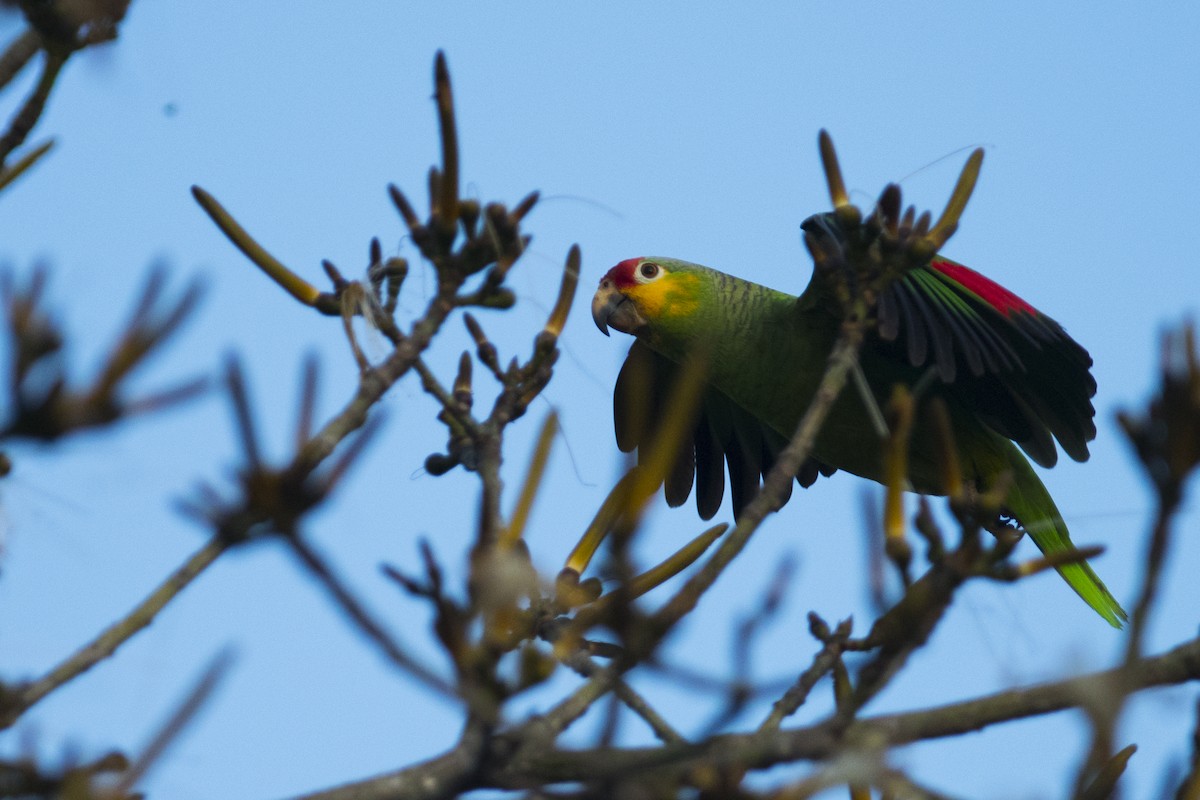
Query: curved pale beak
x=604, y=303
x=610, y=307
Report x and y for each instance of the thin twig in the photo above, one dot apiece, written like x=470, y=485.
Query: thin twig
x=19, y=53
x=434, y=387
x=113, y=637
x=540, y=765
x=1189, y=788
x=1155, y=557
x=665, y=732
x=179, y=719
x=545, y=728
x=363, y=619
x=754, y=751
x=375, y=383
x=440, y=777
x=24, y=120
x=795, y=696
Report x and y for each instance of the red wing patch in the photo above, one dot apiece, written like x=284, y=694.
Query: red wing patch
x=989, y=291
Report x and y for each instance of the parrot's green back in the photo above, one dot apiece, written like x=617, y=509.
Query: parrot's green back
x=767, y=353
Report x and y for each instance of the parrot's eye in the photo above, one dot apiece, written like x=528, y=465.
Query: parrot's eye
x=649, y=270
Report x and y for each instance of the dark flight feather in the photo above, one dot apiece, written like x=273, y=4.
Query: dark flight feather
x=725, y=437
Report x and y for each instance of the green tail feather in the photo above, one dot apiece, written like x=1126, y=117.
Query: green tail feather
x=1033, y=508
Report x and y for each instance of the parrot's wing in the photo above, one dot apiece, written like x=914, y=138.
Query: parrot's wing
x=725, y=434
x=1010, y=363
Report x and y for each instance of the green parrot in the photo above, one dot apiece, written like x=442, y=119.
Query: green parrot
x=1010, y=378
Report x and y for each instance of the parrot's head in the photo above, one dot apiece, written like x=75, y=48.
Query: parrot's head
x=647, y=296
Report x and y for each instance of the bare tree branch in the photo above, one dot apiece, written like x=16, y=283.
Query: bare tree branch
x=18, y=702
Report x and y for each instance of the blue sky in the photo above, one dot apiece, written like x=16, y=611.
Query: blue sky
x=688, y=130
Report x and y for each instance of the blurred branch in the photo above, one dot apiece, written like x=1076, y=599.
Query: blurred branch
x=1104, y=784
x=27, y=116
x=59, y=29
x=41, y=404
x=453, y=241
x=18, y=54
x=1167, y=441
x=440, y=777
x=632, y=700
x=740, y=690
x=862, y=771
x=275, y=500
x=540, y=730
x=507, y=768
x=10, y=174
x=823, y=663
x=365, y=622
x=269, y=499
x=75, y=24
x=17, y=702
x=176, y=722
x=1189, y=787
x=24, y=778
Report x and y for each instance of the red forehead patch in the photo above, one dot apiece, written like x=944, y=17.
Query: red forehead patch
x=622, y=275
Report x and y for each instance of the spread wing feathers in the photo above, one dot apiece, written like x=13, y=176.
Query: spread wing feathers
x=1021, y=372
x=726, y=436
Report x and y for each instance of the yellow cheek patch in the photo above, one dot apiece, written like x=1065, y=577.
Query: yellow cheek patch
x=672, y=295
